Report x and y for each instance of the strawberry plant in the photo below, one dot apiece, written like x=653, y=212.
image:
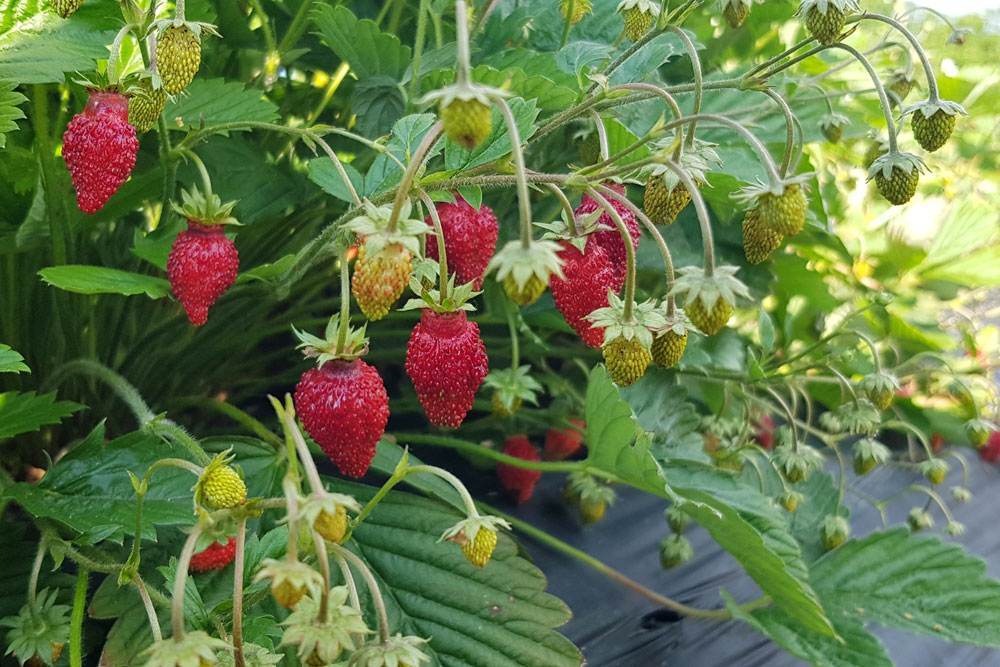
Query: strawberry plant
x=651, y=244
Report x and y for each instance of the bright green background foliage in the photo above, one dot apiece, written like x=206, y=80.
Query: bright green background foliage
x=75, y=286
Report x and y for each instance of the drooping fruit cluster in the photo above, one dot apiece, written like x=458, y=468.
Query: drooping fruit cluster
x=203, y=262
x=344, y=408
x=519, y=482
x=215, y=557
x=446, y=360
x=100, y=147
x=470, y=239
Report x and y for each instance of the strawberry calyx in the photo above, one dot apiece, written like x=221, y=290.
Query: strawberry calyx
x=645, y=319
x=206, y=212
x=520, y=267
x=513, y=386
x=329, y=347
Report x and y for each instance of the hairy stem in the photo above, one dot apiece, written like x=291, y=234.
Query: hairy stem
x=523, y=200
x=241, y=540
x=629, y=251
x=180, y=579
x=383, y=618
x=76, y=622
x=403, y=191
x=883, y=98
x=147, y=604
x=442, y=250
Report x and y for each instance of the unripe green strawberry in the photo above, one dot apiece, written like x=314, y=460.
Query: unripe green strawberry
x=876, y=149
x=662, y=205
x=592, y=510
x=709, y=322
x=834, y=532
x=790, y=501
x=758, y=241
x=66, y=8
x=825, y=27
x=479, y=550
x=580, y=9
x=934, y=470
x=526, y=294
x=178, y=57
x=466, y=122
x=933, y=133
x=332, y=527
x=784, y=213
x=223, y=488
x=833, y=133
x=502, y=411
x=626, y=359
x=899, y=84
x=287, y=594
x=668, y=348
x=380, y=280
x=675, y=550
x=919, y=519
x=898, y=188
x=736, y=14
x=590, y=149
x=637, y=23
x=145, y=106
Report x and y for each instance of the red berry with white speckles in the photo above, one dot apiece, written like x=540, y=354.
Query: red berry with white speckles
x=519, y=482
x=470, y=239
x=215, y=557
x=202, y=265
x=99, y=147
x=609, y=238
x=446, y=360
x=587, y=277
x=344, y=408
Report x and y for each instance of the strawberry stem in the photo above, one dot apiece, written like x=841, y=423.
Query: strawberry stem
x=324, y=568
x=932, y=86
x=568, y=23
x=147, y=603
x=115, y=53
x=345, y=305
x=883, y=98
x=698, y=78
x=180, y=579
x=403, y=190
x=567, y=208
x=241, y=539
x=336, y=163
x=206, y=181
x=352, y=588
x=523, y=200
x=461, y=44
x=668, y=261
x=786, y=160
x=515, y=346
x=442, y=250
x=629, y=251
x=602, y=134
x=373, y=589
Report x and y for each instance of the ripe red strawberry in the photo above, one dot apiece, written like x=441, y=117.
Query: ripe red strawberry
x=990, y=452
x=583, y=289
x=215, y=557
x=519, y=482
x=202, y=265
x=609, y=238
x=99, y=147
x=470, y=239
x=765, y=431
x=446, y=360
x=344, y=408
x=561, y=443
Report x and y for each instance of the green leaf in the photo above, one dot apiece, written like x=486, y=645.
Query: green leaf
x=620, y=138
x=323, y=172
x=497, y=144
x=766, y=328
x=100, y=280
x=369, y=51
x=498, y=615
x=9, y=111
x=154, y=246
x=216, y=101
x=542, y=89
x=25, y=412
x=917, y=583
x=388, y=454
x=616, y=442
x=574, y=57
x=90, y=487
x=406, y=136
x=377, y=103
x=748, y=525
x=41, y=48
x=858, y=648
x=11, y=361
